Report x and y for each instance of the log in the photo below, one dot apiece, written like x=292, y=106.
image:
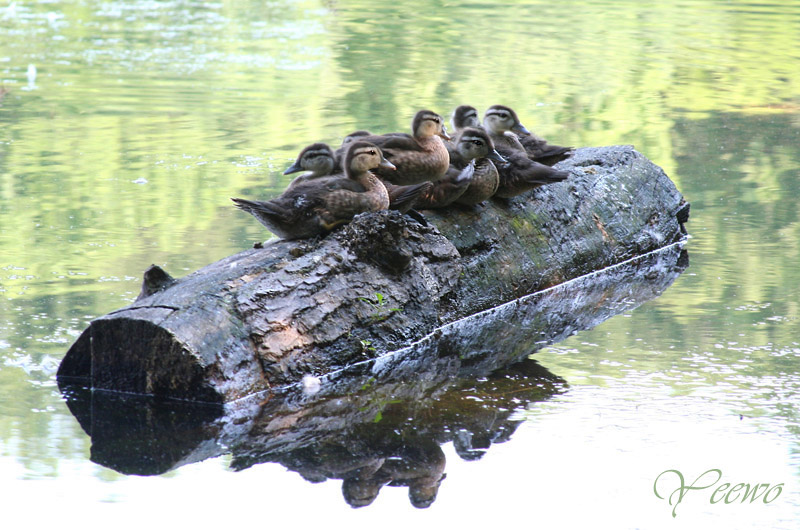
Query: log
x=265, y=318
x=465, y=384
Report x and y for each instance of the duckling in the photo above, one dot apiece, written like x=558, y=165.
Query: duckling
x=539, y=150
x=475, y=147
x=355, y=135
x=502, y=123
x=472, y=177
x=445, y=191
x=418, y=158
x=317, y=206
x=521, y=174
x=317, y=159
x=320, y=160
x=404, y=198
x=361, y=134
x=465, y=116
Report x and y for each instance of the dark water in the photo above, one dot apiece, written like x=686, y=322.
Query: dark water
x=144, y=117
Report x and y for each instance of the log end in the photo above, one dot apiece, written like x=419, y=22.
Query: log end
x=127, y=353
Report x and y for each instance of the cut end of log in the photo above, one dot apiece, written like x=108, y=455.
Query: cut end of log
x=139, y=357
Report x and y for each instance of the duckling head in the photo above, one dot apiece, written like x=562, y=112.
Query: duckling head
x=355, y=135
x=317, y=158
x=363, y=156
x=427, y=123
x=475, y=143
x=464, y=116
x=500, y=119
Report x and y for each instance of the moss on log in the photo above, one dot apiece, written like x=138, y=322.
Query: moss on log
x=265, y=318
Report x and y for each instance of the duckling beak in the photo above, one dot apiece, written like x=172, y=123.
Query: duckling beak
x=497, y=157
x=294, y=168
x=519, y=128
x=444, y=134
x=385, y=164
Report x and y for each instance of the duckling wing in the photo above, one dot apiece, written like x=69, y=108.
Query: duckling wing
x=325, y=184
x=447, y=189
x=539, y=150
x=521, y=174
x=342, y=205
x=395, y=141
x=403, y=198
x=390, y=144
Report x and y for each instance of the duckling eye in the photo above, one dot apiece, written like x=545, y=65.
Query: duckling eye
x=372, y=152
x=477, y=142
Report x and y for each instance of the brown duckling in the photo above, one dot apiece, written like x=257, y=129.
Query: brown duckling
x=355, y=135
x=317, y=206
x=465, y=116
x=419, y=157
x=404, y=198
x=539, y=150
x=507, y=132
x=521, y=174
x=472, y=177
x=474, y=146
x=445, y=191
x=317, y=159
x=320, y=160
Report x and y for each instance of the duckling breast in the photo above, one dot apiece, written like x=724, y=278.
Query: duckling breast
x=430, y=163
x=484, y=184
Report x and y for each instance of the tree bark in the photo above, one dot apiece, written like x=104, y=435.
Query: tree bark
x=265, y=318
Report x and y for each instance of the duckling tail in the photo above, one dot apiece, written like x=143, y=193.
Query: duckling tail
x=404, y=197
x=259, y=209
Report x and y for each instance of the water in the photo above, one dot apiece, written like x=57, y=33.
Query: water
x=142, y=118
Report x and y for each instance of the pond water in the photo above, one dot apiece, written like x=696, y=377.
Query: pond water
x=125, y=127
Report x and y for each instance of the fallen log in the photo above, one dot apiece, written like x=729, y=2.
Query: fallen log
x=265, y=318
x=462, y=384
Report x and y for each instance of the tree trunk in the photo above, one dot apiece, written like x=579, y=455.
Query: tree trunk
x=265, y=318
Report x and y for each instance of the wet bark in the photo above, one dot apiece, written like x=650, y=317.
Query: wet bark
x=265, y=318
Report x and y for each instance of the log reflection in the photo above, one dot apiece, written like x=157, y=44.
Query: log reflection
x=381, y=423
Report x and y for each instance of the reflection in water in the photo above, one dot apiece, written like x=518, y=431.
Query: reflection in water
x=381, y=422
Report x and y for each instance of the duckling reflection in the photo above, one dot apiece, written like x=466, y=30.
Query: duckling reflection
x=397, y=442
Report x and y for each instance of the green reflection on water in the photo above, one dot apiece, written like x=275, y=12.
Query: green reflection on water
x=145, y=117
